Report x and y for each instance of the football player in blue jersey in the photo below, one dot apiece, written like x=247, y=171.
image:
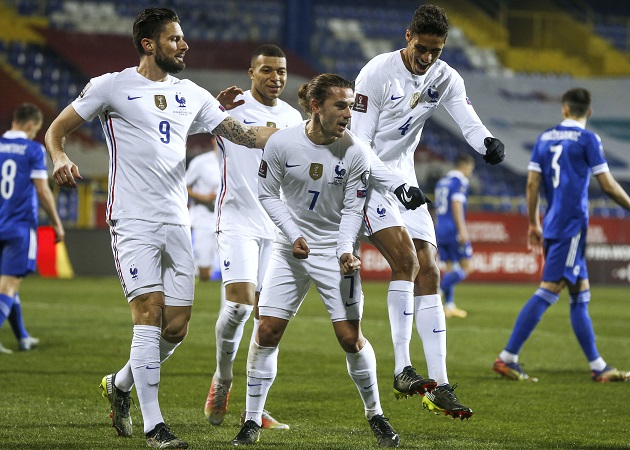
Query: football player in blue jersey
x=23, y=179
x=450, y=230
x=563, y=160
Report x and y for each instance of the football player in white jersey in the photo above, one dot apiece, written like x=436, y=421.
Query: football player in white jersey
x=313, y=184
x=395, y=94
x=202, y=182
x=244, y=231
x=146, y=115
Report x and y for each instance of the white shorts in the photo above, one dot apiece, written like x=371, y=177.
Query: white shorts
x=243, y=258
x=289, y=279
x=204, y=246
x=383, y=210
x=154, y=256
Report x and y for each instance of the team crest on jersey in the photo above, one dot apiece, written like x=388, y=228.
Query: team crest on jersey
x=381, y=211
x=180, y=100
x=316, y=171
x=415, y=98
x=160, y=101
x=271, y=125
x=360, y=103
x=340, y=173
x=433, y=94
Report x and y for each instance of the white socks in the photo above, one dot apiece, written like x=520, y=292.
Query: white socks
x=262, y=367
x=362, y=370
x=144, y=359
x=431, y=326
x=400, y=308
x=229, y=332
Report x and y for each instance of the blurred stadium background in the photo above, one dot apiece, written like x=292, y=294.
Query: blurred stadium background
x=517, y=58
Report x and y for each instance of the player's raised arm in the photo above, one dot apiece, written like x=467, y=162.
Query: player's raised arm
x=239, y=133
x=65, y=172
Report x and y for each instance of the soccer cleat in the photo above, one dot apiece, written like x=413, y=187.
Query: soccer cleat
x=119, y=402
x=268, y=422
x=444, y=399
x=609, y=374
x=28, y=343
x=6, y=351
x=454, y=312
x=249, y=434
x=217, y=401
x=385, y=434
x=408, y=383
x=162, y=437
x=511, y=371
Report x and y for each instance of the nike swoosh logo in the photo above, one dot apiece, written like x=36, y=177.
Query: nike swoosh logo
x=350, y=304
x=249, y=123
x=288, y=166
x=255, y=384
x=229, y=353
x=368, y=387
x=408, y=314
x=129, y=97
x=152, y=368
x=438, y=331
x=396, y=98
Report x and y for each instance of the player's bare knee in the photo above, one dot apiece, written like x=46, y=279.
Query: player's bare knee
x=405, y=266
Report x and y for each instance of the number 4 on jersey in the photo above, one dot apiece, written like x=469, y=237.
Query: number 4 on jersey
x=405, y=126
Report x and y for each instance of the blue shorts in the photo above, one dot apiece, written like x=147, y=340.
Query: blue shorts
x=454, y=251
x=18, y=253
x=565, y=258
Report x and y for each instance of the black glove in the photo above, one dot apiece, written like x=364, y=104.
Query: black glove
x=410, y=196
x=495, y=150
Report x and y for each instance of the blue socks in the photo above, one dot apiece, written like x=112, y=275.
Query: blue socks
x=6, y=303
x=16, y=321
x=449, y=281
x=529, y=317
x=582, y=324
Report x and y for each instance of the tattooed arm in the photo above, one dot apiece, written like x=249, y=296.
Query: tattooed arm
x=239, y=133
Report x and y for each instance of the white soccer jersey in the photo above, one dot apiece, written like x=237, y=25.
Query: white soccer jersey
x=146, y=124
x=315, y=191
x=392, y=105
x=203, y=177
x=237, y=207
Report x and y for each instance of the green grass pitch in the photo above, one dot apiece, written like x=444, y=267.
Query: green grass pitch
x=49, y=397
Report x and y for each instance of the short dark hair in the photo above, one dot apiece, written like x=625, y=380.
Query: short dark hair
x=578, y=100
x=463, y=159
x=150, y=23
x=431, y=20
x=267, y=50
x=318, y=89
x=26, y=112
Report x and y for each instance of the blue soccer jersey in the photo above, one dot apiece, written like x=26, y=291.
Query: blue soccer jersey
x=453, y=186
x=21, y=160
x=566, y=156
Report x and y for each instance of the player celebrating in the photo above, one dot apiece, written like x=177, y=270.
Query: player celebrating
x=395, y=94
x=244, y=231
x=146, y=115
x=314, y=179
x=23, y=180
x=451, y=232
x=563, y=160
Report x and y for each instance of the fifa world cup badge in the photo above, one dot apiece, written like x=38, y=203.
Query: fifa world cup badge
x=415, y=98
